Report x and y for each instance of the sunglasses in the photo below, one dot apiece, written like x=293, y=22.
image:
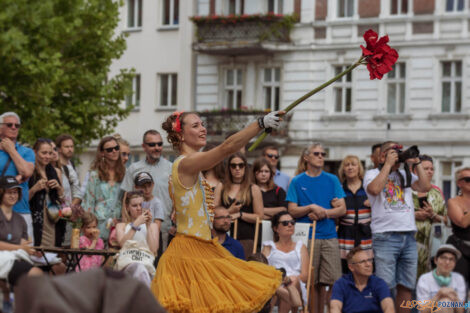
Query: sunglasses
x=153, y=144
x=286, y=223
x=272, y=156
x=316, y=153
x=109, y=150
x=465, y=179
x=235, y=165
x=10, y=125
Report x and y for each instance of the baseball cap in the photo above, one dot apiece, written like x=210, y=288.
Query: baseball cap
x=9, y=182
x=143, y=178
x=448, y=248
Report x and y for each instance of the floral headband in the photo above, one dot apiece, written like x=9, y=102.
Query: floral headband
x=176, y=125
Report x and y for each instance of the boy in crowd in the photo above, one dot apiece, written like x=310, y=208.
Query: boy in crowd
x=143, y=182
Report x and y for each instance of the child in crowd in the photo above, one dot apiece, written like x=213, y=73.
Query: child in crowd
x=143, y=182
x=90, y=239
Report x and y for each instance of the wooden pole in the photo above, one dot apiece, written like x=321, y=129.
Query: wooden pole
x=310, y=267
x=255, y=241
x=235, y=229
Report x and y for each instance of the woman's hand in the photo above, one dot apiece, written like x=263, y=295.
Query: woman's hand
x=53, y=184
x=141, y=219
x=148, y=217
x=235, y=207
x=235, y=216
x=39, y=185
x=421, y=215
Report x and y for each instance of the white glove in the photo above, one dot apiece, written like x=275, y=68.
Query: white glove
x=270, y=120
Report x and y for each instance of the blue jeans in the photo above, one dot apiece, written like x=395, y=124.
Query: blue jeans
x=396, y=258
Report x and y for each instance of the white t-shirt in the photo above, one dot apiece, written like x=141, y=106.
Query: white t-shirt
x=427, y=286
x=392, y=208
x=156, y=208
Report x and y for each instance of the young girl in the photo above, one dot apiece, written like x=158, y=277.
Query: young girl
x=90, y=240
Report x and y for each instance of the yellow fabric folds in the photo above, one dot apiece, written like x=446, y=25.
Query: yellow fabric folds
x=200, y=276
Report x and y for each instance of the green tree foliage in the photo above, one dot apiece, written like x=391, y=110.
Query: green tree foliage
x=54, y=66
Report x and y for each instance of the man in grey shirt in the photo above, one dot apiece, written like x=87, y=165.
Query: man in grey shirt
x=160, y=169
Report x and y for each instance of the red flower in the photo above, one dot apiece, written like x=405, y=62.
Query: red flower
x=379, y=55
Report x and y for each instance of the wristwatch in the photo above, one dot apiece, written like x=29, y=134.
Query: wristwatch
x=136, y=228
x=241, y=214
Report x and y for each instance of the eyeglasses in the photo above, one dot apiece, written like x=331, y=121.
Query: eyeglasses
x=466, y=179
x=10, y=125
x=272, y=156
x=228, y=217
x=109, y=150
x=286, y=223
x=371, y=260
x=153, y=144
x=316, y=153
x=235, y=165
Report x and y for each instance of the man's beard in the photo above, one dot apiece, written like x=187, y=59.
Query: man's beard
x=221, y=230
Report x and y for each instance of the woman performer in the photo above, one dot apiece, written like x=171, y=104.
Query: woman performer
x=196, y=274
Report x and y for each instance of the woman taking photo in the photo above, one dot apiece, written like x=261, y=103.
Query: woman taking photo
x=354, y=227
x=285, y=253
x=102, y=190
x=197, y=274
x=46, y=196
x=242, y=199
x=274, y=197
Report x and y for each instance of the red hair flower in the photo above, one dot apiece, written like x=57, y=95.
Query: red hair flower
x=176, y=125
x=379, y=55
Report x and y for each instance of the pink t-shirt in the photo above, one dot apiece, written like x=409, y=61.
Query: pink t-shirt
x=90, y=261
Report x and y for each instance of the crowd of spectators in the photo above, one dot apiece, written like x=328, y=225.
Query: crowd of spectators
x=372, y=241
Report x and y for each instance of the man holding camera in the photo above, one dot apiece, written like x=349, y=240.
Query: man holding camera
x=389, y=189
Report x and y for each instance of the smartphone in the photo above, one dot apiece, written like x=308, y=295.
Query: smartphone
x=437, y=231
x=421, y=201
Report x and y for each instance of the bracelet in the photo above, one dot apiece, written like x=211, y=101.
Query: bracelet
x=136, y=228
x=241, y=214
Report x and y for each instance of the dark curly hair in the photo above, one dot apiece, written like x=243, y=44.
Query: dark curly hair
x=174, y=137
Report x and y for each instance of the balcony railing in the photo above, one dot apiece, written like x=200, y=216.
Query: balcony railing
x=222, y=123
x=241, y=34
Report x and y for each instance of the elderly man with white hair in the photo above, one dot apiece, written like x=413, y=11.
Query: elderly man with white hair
x=16, y=160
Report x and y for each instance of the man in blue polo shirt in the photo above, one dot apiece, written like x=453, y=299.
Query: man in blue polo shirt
x=360, y=291
x=16, y=160
x=221, y=225
x=317, y=195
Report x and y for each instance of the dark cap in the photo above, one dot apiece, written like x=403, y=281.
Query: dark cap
x=9, y=182
x=143, y=178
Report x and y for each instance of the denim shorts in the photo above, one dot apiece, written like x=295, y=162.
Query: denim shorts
x=396, y=258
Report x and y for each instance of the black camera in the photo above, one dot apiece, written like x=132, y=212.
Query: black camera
x=410, y=153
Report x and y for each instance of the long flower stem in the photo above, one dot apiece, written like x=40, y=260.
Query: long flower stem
x=308, y=95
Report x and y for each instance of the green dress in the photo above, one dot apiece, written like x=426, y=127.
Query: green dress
x=435, y=199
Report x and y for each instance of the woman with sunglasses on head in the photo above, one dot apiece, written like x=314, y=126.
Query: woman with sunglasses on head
x=285, y=253
x=241, y=198
x=46, y=194
x=196, y=273
x=274, y=197
x=354, y=227
x=102, y=190
x=458, y=210
x=430, y=208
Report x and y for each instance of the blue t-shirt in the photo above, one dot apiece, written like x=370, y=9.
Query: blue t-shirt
x=28, y=155
x=366, y=301
x=320, y=190
x=234, y=246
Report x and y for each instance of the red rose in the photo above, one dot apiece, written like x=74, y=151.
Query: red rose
x=379, y=55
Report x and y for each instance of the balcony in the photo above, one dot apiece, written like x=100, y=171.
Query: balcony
x=242, y=34
x=222, y=123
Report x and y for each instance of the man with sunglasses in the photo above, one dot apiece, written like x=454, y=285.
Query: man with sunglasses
x=271, y=153
x=316, y=195
x=393, y=220
x=360, y=290
x=159, y=168
x=16, y=160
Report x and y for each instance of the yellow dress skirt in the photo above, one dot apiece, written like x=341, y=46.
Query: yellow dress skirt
x=198, y=276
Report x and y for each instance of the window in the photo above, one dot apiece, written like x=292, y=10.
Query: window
x=396, y=89
x=345, y=8
x=168, y=92
x=271, y=88
x=342, y=91
x=134, y=98
x=170, y=12
x=233, y=89
x=398, y=7
x=449, y=188
x=455, y=5
x=451, y=86
x=275, y=6
x=235, y=7
x=134, y=13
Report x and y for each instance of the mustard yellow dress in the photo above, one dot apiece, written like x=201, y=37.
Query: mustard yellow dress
x=196, y=274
